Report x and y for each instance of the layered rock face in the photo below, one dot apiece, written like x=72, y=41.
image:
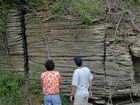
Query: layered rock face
x=65, y=37
x=13, y=42
x=60, y=38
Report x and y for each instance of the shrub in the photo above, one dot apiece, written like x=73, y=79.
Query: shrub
x=10, y=92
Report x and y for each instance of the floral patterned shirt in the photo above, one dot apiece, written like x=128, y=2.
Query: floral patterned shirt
x=50, y=81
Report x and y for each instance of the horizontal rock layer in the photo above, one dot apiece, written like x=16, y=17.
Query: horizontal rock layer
x=63, y=37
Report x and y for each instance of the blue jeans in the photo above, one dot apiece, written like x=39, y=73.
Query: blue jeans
x=53, y=99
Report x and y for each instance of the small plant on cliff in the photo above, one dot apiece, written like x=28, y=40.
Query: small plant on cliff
x=87, y=19
x=117, y=39
x=2, y=28
x=57, y=7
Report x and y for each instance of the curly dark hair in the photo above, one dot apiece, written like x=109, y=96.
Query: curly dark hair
x=49, y=65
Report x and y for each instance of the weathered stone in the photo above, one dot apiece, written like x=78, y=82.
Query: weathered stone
x=135, y=49
x=63, y=37
x=100, y=102
x=15, y=41
x=136, y=90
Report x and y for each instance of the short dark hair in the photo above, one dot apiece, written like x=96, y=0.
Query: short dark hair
x=49, y=65
x=78, y=61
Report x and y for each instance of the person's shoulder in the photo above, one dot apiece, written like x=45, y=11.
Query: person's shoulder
x=55, y=71
x=76, y=70
x=85, y=68
x=43, y=74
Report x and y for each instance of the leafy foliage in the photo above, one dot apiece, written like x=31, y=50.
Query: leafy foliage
x=35, y=85
x=35, y=79
x=57, y=7
x=65, y=100
x=117, y=39
x=4, y=71
x=87, y=19
x=133, y=4
x=10, y=85
x=10, y=92
x=85, y=8
x=2, y=28
x=5, y=6
x=3, y=12
x=35, y=2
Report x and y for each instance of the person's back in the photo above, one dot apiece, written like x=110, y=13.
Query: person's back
x=83, y=77
x=81, y=84
x=50, y=81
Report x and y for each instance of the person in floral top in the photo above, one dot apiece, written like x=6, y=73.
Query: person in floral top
x=50, y=80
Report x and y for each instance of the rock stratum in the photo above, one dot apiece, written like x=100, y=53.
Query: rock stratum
x=33, y=38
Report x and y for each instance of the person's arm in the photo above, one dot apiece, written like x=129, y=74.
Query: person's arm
x=72, y=92
x=60, y=79
x=90, y=87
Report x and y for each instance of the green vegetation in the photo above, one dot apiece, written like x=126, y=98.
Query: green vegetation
x=133, y=4
x=84, y=8
x=34, y=2
x=117, y=39
x=35, y=85
x=4, y=6
x=10, y=91
x=57, y=7
x=2, y=28
x=65, y=100
x=10, y=85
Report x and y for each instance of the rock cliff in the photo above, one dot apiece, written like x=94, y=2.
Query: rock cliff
x=36, y=37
